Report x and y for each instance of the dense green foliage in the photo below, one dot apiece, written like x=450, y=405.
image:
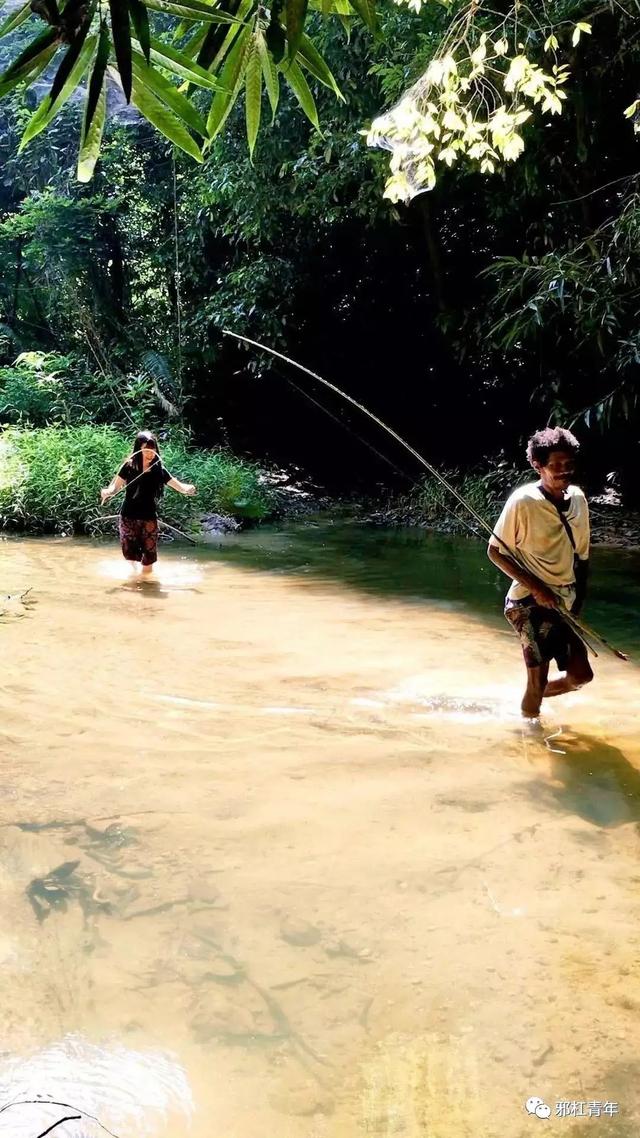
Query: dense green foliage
x=467, y=318
x=50, y=480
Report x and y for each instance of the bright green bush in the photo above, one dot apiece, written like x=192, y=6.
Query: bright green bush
x=50, y=480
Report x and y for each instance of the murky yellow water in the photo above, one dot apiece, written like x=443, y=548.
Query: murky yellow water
x=277, y=856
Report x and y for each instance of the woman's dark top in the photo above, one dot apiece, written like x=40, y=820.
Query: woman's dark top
x=143, y=490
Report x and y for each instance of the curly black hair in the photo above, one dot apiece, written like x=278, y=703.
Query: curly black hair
x=543, y=442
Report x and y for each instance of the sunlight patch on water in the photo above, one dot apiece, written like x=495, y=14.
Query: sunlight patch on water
x=171, y=574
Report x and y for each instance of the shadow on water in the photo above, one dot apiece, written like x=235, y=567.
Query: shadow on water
x=418, y=565
x=593, y=780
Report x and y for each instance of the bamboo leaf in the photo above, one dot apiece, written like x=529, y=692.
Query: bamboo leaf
x=16, y=18
x=181, y=65
x=96, y=83
x=253, y=94
x=270, y=73
x=92, y=126
x=295, y=15
x=163, y=90
x=31, y=70
x=231, y=78
x=189, y=10
x=300, y=88
x=366, y=10
x=48, y=109
x=25, y=60
x=309, y=57
x=121, y=32
x=69, y=60
x=164, y=119
x=140, y=18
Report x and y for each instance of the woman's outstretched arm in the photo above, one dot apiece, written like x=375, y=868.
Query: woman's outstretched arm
x=116, y=484
x=182, y=487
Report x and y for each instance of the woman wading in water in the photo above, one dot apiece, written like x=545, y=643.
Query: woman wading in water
x=145, y=478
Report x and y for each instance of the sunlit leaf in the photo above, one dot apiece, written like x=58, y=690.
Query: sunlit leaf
x=270, y=73
x=253, y=95
x=180, y=64
x=302, y=92
x=48, y=109
x=92, y=128
x=96, y=82
x=164, y=119
x=166, y=93
x=366, y=10
x=231, y=78
x=309, y=57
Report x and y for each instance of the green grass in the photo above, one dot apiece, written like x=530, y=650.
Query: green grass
x=50, y=480
x=431, y=505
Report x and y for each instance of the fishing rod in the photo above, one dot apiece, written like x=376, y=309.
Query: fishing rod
x=581, y=630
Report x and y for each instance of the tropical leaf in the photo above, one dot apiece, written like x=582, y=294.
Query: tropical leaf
x=295, y=12
x=30, y=71
x=15, y=19
x=157, y=368
x=166, y=122
x=270, y=73
x=22, y=65
x=218, y=42
x=92, y=127
x=140, y=18
x=96, y=82
x=188, y=10
x=180, y=64
x=366, y=10
x=253, y=94
x=121, y=32
x=310, y=58
x=302, y=92
x=68, y=63
x=163, y=90
x=49, y=108
x=231, y=78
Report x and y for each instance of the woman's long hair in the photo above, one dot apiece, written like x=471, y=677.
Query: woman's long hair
x=154, y=470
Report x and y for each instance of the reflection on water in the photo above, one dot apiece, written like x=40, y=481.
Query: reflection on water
x=277, y=854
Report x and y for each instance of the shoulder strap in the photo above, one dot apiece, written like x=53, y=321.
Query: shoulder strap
x=560, y=512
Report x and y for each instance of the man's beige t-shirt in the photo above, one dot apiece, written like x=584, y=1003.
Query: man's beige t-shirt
x=530, y=526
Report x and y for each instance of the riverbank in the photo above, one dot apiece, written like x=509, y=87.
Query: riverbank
x=612, y=525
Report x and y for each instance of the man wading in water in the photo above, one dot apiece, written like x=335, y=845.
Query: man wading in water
x=546, y=525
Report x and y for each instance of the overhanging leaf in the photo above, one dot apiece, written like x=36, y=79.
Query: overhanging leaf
x=164, y=119
x=295, y=12
x=366, y=10
x=121, y=32
x=96, y=82
x=302, y=92
x=31, y=70
x=188, y=10
x=270, y=73
x=140, y=18
x=23, y=63
x=92, y=129
x=16, y=19
x=253, y=94
x=69, y=61
x=309, y=57
x=180, y=64
x=231, y=78
x=48, y=110
x=163, y=90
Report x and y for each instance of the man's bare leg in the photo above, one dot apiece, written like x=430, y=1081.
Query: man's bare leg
x=536, y=688
x=578, y=672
